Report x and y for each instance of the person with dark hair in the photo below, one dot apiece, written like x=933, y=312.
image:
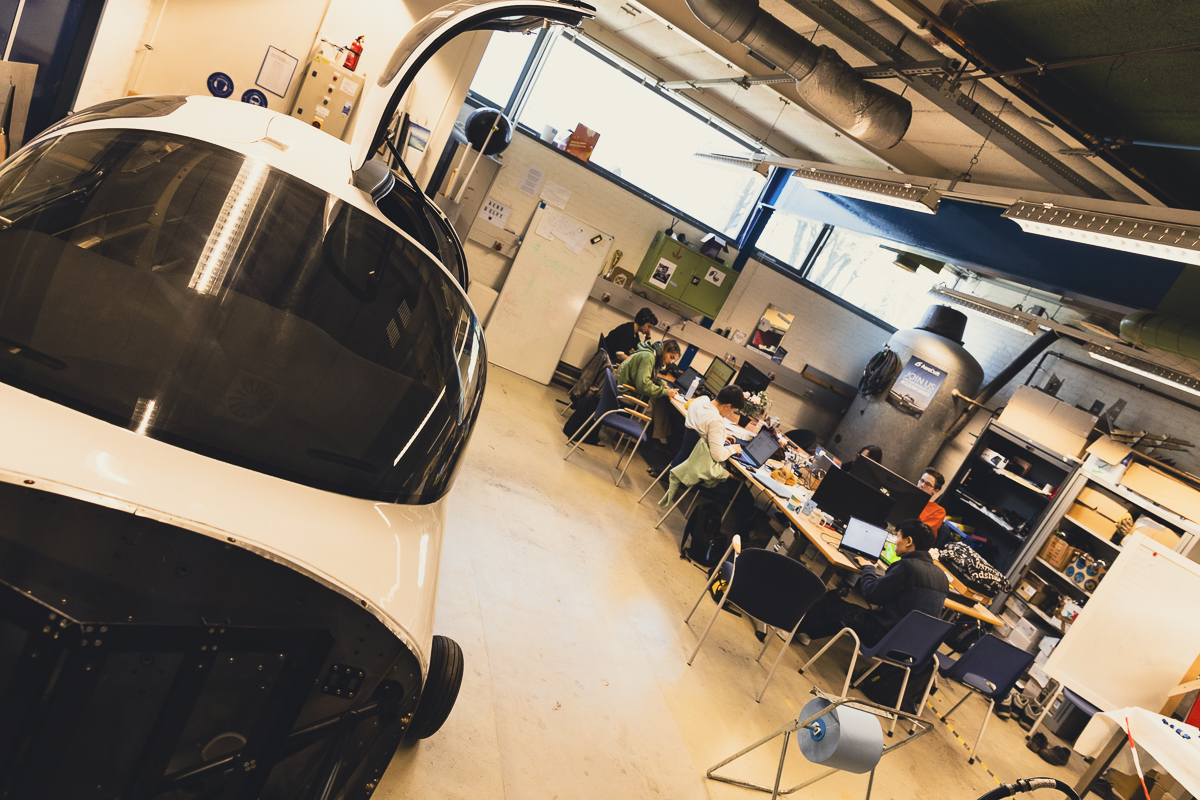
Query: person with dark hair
x=914, y=583
x=873, y=452
x=707, y=417
x=622, y=341
x=641, y=370
x=931, y=483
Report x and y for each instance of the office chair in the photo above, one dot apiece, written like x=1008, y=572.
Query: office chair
x=690, y=437
x=768, y=586
x=611, y=414
x=909, y=645
x=990, y=668
x=803, y=438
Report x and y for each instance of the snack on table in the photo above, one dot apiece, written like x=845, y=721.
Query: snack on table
x=784, y=475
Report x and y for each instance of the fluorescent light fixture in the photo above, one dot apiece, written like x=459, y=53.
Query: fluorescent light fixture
x=1176, y=380
x=226, y=236
x=1142, y=236
x=1018, y=320
x=890, y=193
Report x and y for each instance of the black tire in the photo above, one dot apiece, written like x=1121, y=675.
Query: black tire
x=440, y=690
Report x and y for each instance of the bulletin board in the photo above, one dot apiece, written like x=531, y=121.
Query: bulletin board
x=545, y=290
x=1138, y=634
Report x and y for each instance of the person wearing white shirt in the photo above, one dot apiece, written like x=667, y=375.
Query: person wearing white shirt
x=707, y=417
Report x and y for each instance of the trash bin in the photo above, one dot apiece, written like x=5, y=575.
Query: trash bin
x=1069, y=716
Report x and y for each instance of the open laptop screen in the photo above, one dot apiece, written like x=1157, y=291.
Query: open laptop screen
x=863, y=539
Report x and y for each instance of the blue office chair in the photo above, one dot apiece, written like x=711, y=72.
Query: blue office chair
x=990, y=668
x=768, y=586
x=611, y=414
x=690, y=437
x=909, y=646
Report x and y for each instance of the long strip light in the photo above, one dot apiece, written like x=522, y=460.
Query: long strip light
x=890, y=193
x=1018, y=320
x=1176, y=380
x=227, y=232
x=1142, y=236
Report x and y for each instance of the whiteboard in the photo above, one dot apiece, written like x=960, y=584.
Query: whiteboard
x=544, y=294
x=1138, y=635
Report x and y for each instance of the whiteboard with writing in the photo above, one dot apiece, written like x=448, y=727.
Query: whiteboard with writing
x=1138, y=634
x=544, y=293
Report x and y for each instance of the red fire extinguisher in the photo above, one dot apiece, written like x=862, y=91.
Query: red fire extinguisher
x=355, y=50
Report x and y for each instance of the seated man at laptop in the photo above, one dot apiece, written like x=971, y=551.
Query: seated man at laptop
x=914, y=583
x=622, y=340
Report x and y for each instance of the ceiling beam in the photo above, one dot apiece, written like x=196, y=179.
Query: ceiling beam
x=948, y=96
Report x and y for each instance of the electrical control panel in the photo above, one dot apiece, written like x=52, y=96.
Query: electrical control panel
x=327, y=97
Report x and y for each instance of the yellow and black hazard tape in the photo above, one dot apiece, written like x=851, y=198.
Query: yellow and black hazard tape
x=965, y=744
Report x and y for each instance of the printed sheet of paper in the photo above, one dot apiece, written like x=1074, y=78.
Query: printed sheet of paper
x=555, y=195
x=550, y=219
x=573, y=236
x=275, y=74
x=531, y=181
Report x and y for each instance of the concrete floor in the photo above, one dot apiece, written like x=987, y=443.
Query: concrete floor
x=569, y=607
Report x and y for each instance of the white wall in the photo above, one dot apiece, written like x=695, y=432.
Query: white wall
x=826, y=335
x=118, y=39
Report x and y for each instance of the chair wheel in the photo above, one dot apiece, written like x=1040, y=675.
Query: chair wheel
x=891, y=733
x=970, y=761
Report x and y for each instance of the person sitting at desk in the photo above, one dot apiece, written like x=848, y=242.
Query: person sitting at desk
x=622, y=341
x=873, y=452
x=707, y=417
x=931, y=483
x=914, y=583
x=641, y=370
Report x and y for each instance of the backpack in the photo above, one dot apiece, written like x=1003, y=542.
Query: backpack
x=883, y=686
x=971, y=568
x=703, y=542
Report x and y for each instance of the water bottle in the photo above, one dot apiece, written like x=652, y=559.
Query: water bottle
x=692, y=389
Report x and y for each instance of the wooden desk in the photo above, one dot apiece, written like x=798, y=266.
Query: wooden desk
x=817, y=534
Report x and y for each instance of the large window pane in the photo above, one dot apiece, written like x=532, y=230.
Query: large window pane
x=788, y=238
x=644, y=138
x=501, y=67
x=854, y=267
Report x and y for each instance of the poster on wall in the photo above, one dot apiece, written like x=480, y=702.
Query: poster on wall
x=914, y=390
x=662, y=273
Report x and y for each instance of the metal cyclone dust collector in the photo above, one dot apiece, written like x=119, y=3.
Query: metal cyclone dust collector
x=909, y=442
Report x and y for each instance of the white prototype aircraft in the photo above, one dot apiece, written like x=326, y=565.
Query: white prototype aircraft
x=238, y=373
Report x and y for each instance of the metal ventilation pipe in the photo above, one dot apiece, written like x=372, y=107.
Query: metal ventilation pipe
x=830, y=86
x=1161, y=332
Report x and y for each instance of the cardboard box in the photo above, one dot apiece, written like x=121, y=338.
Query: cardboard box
x=1101, y=503
x=1152, y=528
x=1030, y=587
x=1163, y=489
x=1051, y=423
x=1055, y=552
x=1093, y=520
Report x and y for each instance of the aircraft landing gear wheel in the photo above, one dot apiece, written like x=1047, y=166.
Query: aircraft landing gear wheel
x=440, y=690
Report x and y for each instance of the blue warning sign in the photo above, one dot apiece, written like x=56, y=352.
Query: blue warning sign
x=254, y=97
x=220, y=84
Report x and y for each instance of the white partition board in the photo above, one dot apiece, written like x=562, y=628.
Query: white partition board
x=1138, y=634
x=543, y=294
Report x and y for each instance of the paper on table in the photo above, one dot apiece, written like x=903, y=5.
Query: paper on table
x=555, y=194
x=550, y=219
x=573, y=236
x=531, y=181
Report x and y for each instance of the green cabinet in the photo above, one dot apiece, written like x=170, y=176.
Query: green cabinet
x=682, y=273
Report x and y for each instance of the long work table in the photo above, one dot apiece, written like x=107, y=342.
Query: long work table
x=826, y=540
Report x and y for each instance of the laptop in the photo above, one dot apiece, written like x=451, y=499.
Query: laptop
x=861, y=539
x=683, y=380
x=755, y=454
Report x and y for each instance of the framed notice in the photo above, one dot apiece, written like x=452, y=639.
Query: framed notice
x=914, y=390
x=275, y=74
x=662, y=273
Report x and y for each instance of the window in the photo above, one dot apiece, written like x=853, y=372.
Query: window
x=646, y=138
x=788, y=238
x=854, y=267
x=501, y=67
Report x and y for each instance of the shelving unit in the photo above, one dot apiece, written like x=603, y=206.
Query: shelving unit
x=1062, y=577
x=1003, y=506
x=1103, y=539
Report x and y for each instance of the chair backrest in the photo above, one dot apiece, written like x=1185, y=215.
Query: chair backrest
x=608, y=394
x=802, y=438
x=773, y=588
x=994, y=661
x=913, y=641
x=691, y=438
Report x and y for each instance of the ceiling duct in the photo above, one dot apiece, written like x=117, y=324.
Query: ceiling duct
x=831, y=87
x=1161, y=332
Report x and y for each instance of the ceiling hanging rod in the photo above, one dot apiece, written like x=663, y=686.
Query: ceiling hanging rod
x=1040, y=67
x=875, y=71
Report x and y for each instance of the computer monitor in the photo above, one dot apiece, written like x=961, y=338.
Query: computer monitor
x=684, y=381
x=844, y=497
x=717, y=376
x=751, y=379
x=909, y=501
